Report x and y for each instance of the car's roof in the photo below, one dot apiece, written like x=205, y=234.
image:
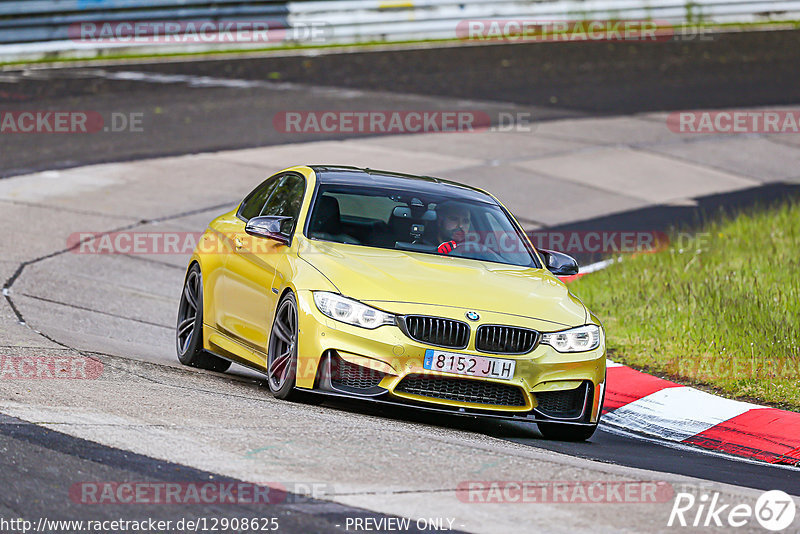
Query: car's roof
x=343, y=175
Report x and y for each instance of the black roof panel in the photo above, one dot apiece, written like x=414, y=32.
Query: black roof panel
x=343, y=175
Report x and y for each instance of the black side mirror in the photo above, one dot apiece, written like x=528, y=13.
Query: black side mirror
x=269, y=227
x=559, y=264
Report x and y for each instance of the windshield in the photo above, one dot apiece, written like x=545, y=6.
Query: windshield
x=417, y=222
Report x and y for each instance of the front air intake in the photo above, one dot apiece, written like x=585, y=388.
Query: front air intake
x=350, y=375
x=563, y=404
x=462, y=390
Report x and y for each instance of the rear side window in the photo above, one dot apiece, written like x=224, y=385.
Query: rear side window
x=280, y=195
x=255, y=201
x=286, y=198
x=378, y=208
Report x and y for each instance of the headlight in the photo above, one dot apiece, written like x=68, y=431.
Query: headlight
x=351, y=311
x=578, y=339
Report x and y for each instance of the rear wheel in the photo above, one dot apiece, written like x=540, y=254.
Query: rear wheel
x=282, y=350
x=562, y=432
x=189, y=332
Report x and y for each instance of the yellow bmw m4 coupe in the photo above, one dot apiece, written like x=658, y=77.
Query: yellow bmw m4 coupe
x=395, y=289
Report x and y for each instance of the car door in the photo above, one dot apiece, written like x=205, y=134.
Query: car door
x=250, y=296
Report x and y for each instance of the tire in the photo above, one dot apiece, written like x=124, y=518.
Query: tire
x=561, y=432
x=189, y=330
x=282, y=350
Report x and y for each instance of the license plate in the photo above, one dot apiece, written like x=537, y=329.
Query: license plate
x=466, y=364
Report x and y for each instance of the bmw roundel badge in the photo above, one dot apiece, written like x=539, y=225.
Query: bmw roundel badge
x=473, y=316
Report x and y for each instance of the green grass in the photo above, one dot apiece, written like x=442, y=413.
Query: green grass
x=107, y=55
x=721, y=311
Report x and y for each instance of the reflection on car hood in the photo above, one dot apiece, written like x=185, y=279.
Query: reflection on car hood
x=387, y=275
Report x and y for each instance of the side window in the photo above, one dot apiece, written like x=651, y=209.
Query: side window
x=254, y=202
x=285, y=199
x=366, y=207
x=494, y=224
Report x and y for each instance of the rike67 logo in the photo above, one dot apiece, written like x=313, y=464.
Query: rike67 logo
x=774, y=510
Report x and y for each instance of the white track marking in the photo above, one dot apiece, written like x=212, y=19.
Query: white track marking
x=676, y=413
x=599, y=266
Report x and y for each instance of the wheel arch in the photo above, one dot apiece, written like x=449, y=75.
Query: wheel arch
x=288, y=289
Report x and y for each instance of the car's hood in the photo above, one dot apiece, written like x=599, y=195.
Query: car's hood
x=384, y=275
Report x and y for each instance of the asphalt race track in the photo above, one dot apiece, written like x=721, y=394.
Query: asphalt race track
x=226, y=103
x=146, y=418
x=31, y=452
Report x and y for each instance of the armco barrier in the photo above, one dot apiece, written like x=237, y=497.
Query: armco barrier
x=352, y=21
x=40, y=20
x=379, y=20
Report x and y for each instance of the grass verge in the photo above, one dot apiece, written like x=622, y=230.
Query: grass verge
x=688, y=31
x=721, y=310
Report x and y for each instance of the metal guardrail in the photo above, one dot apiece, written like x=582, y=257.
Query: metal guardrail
x=39, y=20
x=42, y=21
x=30, y=7
x=376, y=20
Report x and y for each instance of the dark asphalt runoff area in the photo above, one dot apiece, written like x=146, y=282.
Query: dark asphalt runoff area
x=203, y=105
x=56, y=477
x=610, y=447
x=192, y=110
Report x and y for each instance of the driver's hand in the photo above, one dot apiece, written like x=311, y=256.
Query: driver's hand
x=447, y=247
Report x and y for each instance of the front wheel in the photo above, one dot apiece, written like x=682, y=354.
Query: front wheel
x=189, y=332
x=282, y=350
x=562, y=432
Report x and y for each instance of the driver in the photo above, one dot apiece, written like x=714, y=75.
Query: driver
x=453, y=223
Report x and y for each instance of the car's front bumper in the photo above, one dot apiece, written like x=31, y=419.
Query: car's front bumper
x=389, y=351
